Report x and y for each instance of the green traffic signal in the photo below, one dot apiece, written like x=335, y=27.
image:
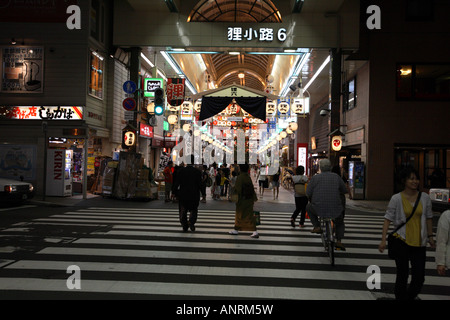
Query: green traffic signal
x=159, y=101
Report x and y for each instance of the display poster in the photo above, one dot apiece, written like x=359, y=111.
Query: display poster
x=22, y=69
x=17, y=161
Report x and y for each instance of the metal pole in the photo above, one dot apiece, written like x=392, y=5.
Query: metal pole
x=85, y=162
x=44, y=128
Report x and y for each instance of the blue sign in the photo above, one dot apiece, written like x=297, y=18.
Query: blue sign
x=129, y=87
x=129, y=104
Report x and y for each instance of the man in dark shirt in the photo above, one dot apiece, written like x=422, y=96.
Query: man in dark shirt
x=188, y=189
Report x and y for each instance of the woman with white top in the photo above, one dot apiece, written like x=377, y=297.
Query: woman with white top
x=443, y=243
x=414, y=235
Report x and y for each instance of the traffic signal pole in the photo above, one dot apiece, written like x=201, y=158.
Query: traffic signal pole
x=135, y=68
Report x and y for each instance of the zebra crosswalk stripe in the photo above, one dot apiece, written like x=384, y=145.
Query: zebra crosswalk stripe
x=143, y=252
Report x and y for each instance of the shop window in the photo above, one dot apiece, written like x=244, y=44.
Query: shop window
x=96, y=75
x=423, y=81
x=97, y=21
x=350, y=95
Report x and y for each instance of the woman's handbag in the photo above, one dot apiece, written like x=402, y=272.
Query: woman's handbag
x=234, y=197
x=395, y=245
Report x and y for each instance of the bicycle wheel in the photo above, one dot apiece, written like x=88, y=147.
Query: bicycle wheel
x=330, y=242
x=323, y=236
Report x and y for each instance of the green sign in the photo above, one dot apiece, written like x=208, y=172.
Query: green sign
x=150, y=84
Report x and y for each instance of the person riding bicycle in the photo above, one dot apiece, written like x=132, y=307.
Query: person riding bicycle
x=324, y=191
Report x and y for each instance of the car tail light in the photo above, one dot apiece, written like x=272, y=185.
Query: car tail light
x=8, y=189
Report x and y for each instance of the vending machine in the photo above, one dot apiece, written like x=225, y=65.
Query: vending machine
x=356, y=179
x=59, y=172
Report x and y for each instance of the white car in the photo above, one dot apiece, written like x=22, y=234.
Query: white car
x=15, y=191
x=440, y=199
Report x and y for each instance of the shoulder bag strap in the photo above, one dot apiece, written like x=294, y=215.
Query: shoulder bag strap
x=410, y=216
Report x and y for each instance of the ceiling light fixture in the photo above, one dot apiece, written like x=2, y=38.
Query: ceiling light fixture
x=317, y=73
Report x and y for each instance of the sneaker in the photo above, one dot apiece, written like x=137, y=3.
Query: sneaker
x=316, y=230
x=192, y=227
x=255, y=235
x=233, y=232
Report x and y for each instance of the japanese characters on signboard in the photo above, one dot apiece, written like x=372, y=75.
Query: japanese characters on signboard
x=145, y=130
x=175, y=91
x=22, y=69
x=260, y=34
x=42, y=113
x=150, y=84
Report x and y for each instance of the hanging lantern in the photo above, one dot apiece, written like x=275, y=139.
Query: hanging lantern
x=173, y=108
x=336, y=143
x=198, y=106
x=172, y=119
x=186, y=127
x=283, y=107
x=297, y=106
x=270, y=108
x=293, y=126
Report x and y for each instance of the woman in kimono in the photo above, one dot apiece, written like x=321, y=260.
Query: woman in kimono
x=244, y=218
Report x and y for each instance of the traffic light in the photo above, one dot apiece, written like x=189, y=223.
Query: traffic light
x=159, y=101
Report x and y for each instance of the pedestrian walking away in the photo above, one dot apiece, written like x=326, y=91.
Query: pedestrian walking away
x=168, y=181
x=187, y=186
x=276, y=184
x=324, y=192
x=205, y=177
x=244, y=217
x=301, y=200
x=413, y=233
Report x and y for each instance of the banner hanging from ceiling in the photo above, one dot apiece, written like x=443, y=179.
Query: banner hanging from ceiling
x=211, y=106
x=175, y=91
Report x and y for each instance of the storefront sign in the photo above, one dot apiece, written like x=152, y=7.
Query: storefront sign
x=22, y=69
x=145, y=130
x=150, y=84
x=261, y=34
x=302, y=155
x=42, y=113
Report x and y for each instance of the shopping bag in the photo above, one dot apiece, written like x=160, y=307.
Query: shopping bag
x=257, y=217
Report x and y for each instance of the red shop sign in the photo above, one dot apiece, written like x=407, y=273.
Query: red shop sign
x=145, y=130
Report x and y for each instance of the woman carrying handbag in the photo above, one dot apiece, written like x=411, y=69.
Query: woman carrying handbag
x=410, y=212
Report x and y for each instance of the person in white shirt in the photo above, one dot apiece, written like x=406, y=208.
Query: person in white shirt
x=443, y=243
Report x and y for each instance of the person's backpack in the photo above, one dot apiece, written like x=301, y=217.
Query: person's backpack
x=209, y=182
